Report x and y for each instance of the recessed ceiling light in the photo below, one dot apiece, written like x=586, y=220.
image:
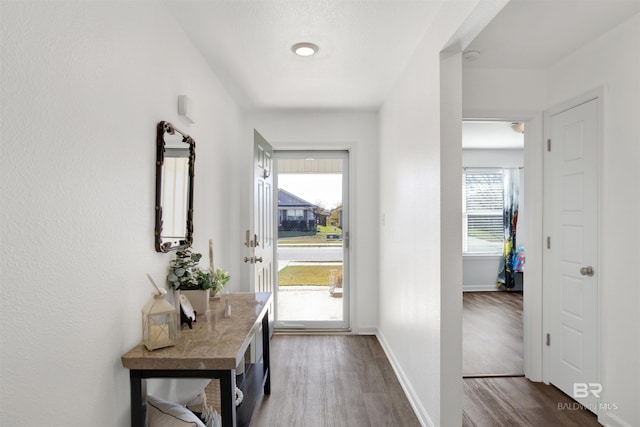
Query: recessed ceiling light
x=304, y=49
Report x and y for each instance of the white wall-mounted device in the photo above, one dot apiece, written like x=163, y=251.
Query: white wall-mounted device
x=185, y=108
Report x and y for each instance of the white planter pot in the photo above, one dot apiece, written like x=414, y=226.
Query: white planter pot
x=199, y=300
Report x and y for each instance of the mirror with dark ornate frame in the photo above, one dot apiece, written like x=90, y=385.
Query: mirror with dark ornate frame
x=175, y=161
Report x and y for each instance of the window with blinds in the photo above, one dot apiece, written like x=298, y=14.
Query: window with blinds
x=482, y=193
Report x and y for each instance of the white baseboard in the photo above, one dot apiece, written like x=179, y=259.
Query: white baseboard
x=367, y=331
x=409, y=391
x=479, y=288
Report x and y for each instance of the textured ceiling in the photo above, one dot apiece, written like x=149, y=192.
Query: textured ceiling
x=366, y=44
x=538, y=33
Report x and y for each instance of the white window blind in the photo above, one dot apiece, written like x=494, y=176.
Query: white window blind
x=482, y=193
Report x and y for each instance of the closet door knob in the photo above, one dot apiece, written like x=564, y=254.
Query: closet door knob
x=587, y=271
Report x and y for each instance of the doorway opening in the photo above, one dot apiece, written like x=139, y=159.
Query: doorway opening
x=312, y=280
x=493, y=238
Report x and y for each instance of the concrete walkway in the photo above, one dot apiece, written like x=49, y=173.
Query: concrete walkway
x=299, y=303
x=307, y=303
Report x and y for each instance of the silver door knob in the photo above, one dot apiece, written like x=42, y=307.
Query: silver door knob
x=258, y=259
x=586, y=271
x=248, y=259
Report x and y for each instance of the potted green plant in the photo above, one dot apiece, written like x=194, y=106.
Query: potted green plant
x=219, y=278
x=194, y=282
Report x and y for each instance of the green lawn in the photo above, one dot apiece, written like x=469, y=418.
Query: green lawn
x=307, y=275
x=323, y=230
x=320, y=236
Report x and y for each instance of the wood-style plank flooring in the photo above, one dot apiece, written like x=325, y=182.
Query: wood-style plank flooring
x=518, y=402
x=493, y=346
x=347, y=381
x=339, y=380
x=492, y=341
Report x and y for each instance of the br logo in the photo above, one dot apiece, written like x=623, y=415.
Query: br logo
x=581, y=390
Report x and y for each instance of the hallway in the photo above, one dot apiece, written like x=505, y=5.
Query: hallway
x=347, y=380
x=332, y=381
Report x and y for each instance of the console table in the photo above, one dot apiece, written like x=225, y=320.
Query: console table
x=212, y=349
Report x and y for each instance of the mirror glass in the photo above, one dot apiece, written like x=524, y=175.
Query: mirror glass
x=174, y=188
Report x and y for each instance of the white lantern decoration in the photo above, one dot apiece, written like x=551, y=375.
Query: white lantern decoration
x=159, y=321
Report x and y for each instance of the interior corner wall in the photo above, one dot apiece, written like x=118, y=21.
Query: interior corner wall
x=83, y=85
x=353, y=130
x=416, y=328
x=451, y=242
x=410, y=234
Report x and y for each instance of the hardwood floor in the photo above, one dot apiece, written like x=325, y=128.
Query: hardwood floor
x=499, y=395
x=511, y=402
x=492, y=339
x=340, y=380
x=347, y=381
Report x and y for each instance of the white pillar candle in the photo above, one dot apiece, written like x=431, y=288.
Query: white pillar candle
x=211, y=253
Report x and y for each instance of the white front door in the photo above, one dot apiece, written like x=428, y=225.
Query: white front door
x=571, y=254
x=260, y=239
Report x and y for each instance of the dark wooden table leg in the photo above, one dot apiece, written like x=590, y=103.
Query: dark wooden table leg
x=138, y=398
x=228, y=398
x=266, y=357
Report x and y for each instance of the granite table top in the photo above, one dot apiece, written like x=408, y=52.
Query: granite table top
x=215, y=342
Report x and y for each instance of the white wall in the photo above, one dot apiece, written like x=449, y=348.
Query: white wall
x=451, y=242
x=420, y=196
x=612, y=63
x=492, y=93
x=83, y=86
x=489, y=158
x=480, y=272
x=410, y=231
x=358, y=132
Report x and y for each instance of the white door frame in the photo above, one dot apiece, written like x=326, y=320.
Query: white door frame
x=596, y=94
x=531, y=221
